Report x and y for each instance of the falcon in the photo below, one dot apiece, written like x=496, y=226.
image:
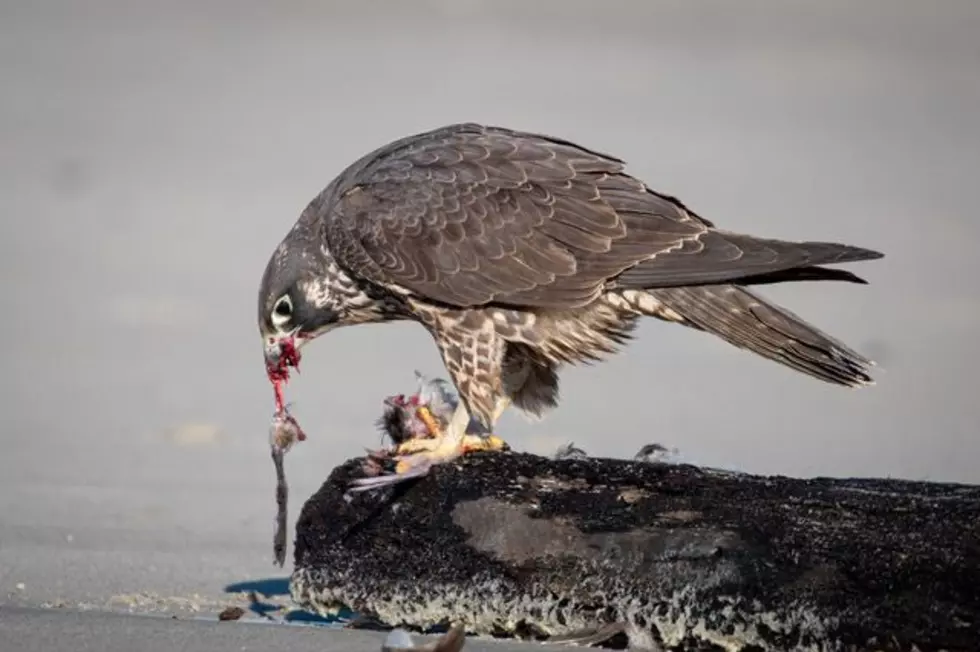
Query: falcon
x=521, y=253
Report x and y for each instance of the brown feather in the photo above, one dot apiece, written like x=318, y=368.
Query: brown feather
x=519, y=201
x=748, y=321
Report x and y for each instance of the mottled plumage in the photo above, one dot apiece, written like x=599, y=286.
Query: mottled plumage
x=521, y=253
x=400, y=420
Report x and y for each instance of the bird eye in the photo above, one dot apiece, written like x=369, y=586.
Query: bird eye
x=282, y=312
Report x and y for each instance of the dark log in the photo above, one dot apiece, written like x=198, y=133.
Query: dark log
x=683, y=558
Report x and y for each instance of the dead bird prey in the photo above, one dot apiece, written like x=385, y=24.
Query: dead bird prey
x=422, y=415
x=521, y=253
x=283, y=434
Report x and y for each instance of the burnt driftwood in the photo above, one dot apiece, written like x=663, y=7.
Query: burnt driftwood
x=680, y=557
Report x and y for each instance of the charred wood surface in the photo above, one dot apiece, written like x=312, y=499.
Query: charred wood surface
x=680, y=557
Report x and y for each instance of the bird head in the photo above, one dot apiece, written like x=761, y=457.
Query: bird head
x=295, y=307
x=401, y=419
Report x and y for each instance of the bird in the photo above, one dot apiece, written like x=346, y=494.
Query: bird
x=418, y=415
x=521, y=254
x=426, y=413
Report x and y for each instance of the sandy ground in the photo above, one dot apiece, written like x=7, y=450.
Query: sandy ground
x=33, y=630
x=154, y=153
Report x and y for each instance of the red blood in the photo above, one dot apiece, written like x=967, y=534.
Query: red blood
x=289, y=356
x=280, y=402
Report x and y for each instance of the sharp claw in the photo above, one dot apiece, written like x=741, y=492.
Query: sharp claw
x=416, y=457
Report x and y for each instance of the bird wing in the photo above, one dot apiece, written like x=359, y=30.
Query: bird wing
x=468, y=215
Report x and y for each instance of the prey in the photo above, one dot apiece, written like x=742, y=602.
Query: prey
x=416, y=426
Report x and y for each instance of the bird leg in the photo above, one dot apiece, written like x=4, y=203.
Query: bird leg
x=473, y=355
x=453, y=439
x=415, y=457
x=502, y=404
x=444, y=447
x=469, y=442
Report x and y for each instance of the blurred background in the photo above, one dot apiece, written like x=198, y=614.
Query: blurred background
x=152, y=155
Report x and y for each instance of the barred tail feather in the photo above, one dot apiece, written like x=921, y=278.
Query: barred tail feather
x=748, y=321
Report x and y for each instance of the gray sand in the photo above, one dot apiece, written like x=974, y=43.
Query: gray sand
x=35, y=630
x=154, y=153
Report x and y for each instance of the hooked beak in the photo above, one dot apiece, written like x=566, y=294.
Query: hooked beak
x=281, y=352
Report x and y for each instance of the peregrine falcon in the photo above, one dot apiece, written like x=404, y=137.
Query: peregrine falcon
x=521, y=253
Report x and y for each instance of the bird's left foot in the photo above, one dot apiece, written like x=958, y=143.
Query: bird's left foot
x=469, y=444
x=414, y=458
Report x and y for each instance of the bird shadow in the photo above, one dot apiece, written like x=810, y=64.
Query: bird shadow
x=272, y=586
x=262, y=590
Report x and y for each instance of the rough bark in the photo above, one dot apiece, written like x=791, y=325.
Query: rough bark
x=685, y=558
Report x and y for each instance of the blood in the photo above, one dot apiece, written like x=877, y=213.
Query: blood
x=289, y=356
x=399, y=400
x=280, y=400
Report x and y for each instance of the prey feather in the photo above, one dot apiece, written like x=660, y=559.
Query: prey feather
x=417, y=416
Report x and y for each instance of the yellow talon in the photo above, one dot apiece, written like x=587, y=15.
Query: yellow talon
x=415, y=457
x=434, y=441
x=417, y=446
x=426, y=444
x=425, y=416
x=473, y=443
x=402, y=466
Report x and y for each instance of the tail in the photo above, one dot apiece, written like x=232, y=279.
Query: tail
x=748, y=321
x=812, y=273
x=725, y=257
